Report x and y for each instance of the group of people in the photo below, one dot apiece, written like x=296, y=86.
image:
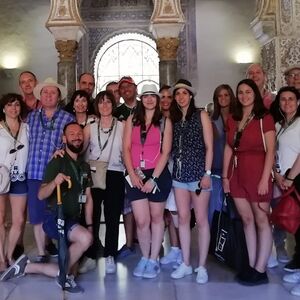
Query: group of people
x=165, y=158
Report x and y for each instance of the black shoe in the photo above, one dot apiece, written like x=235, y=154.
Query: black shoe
x=292, y=266
x=19, y=250
x=253, y=277
x=52, y=250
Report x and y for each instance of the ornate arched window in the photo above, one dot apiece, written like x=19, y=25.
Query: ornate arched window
x=127, y=54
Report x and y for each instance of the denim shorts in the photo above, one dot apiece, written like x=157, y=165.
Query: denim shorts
x=190, y=186
x=18, y=188
x=50, y=225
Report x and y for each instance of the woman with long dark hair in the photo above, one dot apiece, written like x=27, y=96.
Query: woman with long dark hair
x=146, y=147
x=248, y=160
x=192, y=153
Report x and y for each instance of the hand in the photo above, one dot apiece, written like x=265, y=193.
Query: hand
x=58, y=152
x=279, y=180
x=205, y=182
x=286, y=184
x=226, y=186
x=263, y=188
x=148, y=186
x=60, y=178
x=136, y=181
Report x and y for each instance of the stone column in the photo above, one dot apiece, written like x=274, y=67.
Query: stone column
x=167, y=21
x=65, y=24
x=276, y=26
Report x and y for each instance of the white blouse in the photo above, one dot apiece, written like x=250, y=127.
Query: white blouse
x=95, y=153
x=15, y=162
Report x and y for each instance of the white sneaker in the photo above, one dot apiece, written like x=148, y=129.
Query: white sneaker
x=296, y=290
x=182, y=271
x=272, y=262
x=202, y=276
x=171, y=257
x=110, y=266
x=292, y=278
x=282, y=255
x=87, y=264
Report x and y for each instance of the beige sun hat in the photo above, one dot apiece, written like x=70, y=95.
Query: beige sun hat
x=184, y=84
x=287, y=70
x=49, y=82
x=149, y=89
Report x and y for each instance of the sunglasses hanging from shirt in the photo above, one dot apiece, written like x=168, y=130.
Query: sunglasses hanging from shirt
x=15, y=137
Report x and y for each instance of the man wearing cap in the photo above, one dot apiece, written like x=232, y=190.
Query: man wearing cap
x=292, y=76
x=128, y=91
x=45, y=134
x=27, y=82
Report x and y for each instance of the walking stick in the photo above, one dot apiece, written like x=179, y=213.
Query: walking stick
x=63, y=253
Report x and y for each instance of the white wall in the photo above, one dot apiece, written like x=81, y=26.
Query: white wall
x=23, y=33
x=222, y=29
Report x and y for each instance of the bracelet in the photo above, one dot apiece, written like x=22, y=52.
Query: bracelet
x=289, y=179
x=89, y=225
x=153, y=181
x=154, y=178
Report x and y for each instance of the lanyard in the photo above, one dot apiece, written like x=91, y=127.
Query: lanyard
x=109, y=134
x=238, y=133
x=15, y=137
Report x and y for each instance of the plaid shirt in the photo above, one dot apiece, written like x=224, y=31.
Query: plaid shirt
x=45, y=136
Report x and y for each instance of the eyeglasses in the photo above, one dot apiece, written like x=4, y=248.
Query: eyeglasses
x=294, y=75
x=198, y=191
x=14, y=150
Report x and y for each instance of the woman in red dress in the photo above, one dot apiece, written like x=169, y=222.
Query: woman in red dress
x=248, y=159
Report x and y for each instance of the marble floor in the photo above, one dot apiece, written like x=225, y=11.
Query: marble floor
x=123, y=285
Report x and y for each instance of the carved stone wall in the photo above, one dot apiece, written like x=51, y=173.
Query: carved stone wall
x=104, y=19
x=277, y=27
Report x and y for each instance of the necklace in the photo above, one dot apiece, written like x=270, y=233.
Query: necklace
x=106, y=131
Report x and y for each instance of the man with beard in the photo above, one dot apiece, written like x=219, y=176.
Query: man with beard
x=58, y=171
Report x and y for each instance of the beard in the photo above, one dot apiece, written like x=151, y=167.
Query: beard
x=75, y=149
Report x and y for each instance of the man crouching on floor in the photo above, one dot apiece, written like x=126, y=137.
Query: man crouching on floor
x=60, y=170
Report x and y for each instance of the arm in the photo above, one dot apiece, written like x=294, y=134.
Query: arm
x=263, y=185
x=208, y=140
x=135, y=180
x=164, y=156
x=295, y=170
x=89, y=209
x=226, y=161
x=47, y=189
x=86, y=137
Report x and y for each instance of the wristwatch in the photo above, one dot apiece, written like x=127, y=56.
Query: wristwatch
x=207, y=173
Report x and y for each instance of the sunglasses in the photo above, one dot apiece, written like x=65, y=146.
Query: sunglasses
x=198, y=191
x=19, y=147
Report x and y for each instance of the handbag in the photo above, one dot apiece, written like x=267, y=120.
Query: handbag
x=4, y=179
x=228, y=242
x=286, y=214
x=99, y=167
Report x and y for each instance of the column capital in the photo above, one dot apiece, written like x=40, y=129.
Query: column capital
x=66, y=49
x=64, y=20
x=167, y=19
x=167, y=48
x=264, y=23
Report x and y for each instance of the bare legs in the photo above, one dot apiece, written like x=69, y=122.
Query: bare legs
x=150, y=226
x=257, y=230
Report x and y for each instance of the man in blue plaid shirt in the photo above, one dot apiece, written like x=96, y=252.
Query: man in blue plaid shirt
x=45, y=131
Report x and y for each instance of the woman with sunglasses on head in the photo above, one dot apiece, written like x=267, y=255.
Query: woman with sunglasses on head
x=13, y=156
x=80, y=103
x=248, y=160
x=192, y=154
x=146, y=146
